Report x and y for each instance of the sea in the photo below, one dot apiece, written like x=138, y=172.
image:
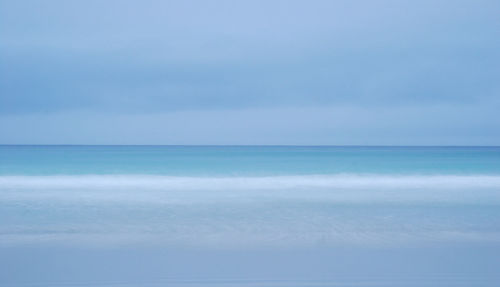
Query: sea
x=249, y=215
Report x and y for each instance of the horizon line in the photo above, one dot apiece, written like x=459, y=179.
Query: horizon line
x=246, y=145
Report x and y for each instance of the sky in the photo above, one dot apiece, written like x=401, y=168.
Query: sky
x=353, y=72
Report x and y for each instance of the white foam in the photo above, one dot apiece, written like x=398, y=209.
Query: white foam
x=340, y=181
x=301, y=210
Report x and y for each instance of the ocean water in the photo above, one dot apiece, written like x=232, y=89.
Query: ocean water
x=249, y=216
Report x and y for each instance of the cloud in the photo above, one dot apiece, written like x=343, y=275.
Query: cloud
x=168, y=57
x=342, y=125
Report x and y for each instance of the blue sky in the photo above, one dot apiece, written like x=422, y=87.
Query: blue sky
x=250, y=72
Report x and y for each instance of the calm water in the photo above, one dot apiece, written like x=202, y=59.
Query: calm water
x=249, y=216
x=246, y=160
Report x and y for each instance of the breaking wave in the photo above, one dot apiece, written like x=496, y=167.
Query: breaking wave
x=340, y=181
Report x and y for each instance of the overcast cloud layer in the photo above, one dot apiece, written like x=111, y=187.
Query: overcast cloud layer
x=250, y=72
